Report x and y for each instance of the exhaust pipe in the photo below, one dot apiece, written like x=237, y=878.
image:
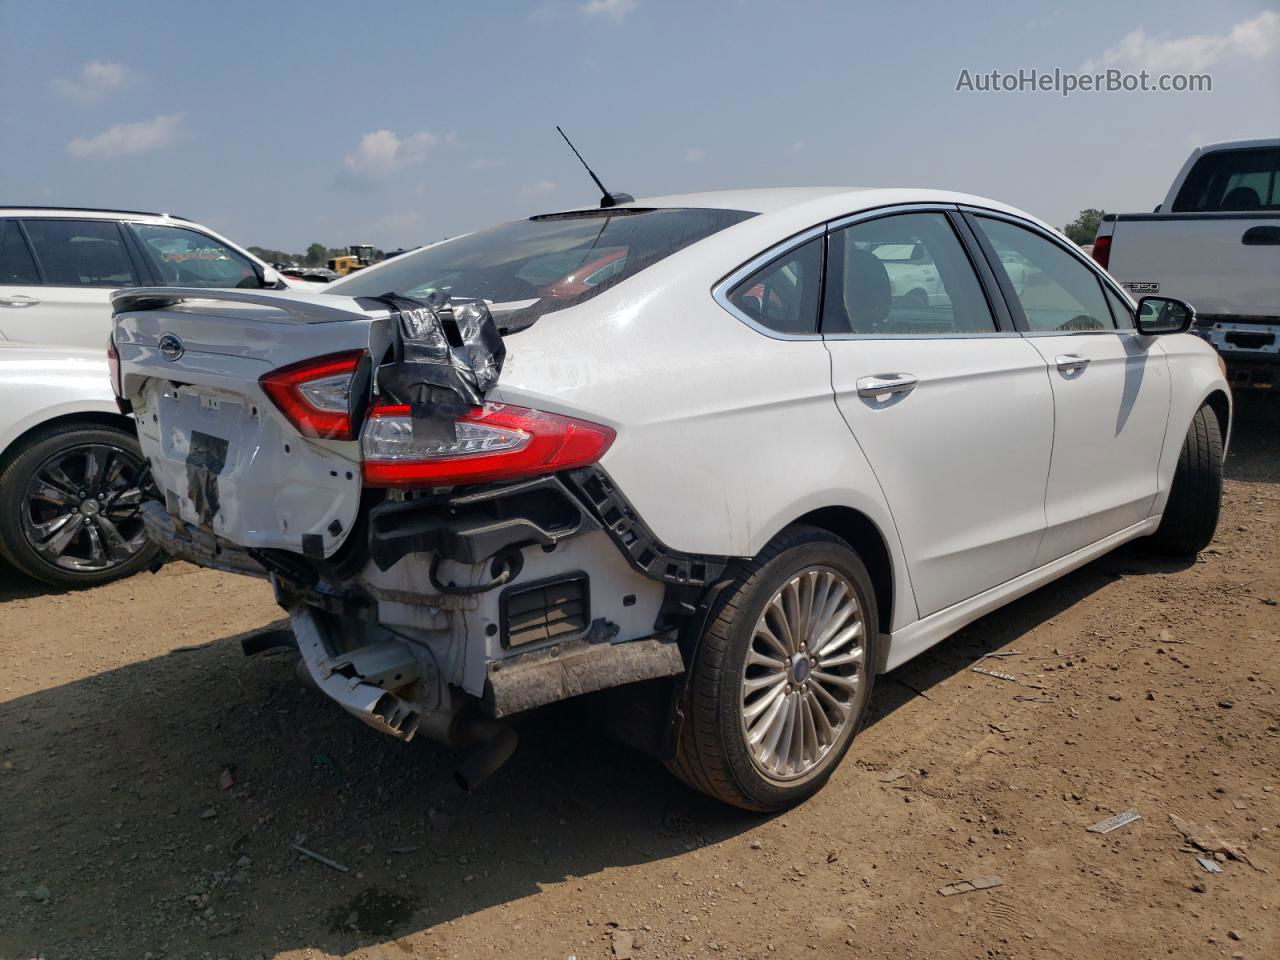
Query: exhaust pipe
x=498, y=742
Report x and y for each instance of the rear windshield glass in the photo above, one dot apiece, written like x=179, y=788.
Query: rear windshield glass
x=1232, y=180
x=531, y=267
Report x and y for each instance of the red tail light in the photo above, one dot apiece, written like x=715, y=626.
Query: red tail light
x=494, y=442
x=1102, y=250
x=113, y=365
x=316, y=394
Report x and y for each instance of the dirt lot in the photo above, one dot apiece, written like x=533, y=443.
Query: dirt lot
x=1139, y=684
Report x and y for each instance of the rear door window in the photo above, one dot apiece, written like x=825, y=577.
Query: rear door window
x=1232, y=181
x=17, y=268
x=902, y=275
x=1057, y=292
x=188, y=258
x=81, y=253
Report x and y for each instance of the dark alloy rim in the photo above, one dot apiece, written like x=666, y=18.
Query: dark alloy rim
x=82, y=508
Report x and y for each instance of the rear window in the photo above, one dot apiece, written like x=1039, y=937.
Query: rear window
x=1232, y=180
x=531, y=267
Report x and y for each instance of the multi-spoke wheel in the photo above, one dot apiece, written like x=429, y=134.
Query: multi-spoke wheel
x=782, y=675
x=70, y=506
x=802, y=672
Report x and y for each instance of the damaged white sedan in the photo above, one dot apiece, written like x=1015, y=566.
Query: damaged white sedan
x=705, y=458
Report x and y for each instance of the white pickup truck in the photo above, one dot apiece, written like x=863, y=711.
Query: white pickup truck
x=1214, y=242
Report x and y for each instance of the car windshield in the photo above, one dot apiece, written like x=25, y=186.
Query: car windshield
x=531, y=267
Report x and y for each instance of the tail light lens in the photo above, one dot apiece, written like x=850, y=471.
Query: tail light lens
x=1102, y=251
x=113, y=365
x=494, y=442
x=316, y=395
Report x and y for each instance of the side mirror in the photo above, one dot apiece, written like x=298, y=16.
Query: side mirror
x=1160, y=315
x=270, y=278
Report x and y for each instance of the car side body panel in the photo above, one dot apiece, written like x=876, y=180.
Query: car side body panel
x=743, y=438
x=42, y=384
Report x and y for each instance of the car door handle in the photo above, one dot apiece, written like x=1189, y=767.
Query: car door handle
x=1261, y=236
x=889, y=383
x=1071, y=361
x=19, y=300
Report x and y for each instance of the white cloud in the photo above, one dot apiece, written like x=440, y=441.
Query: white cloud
x=382, y=153
x=694, y=154
x=613, y=9
x=129, y=139
x=96, y=81
x=797, y=146
x=1252, y=39
x=486, y=163
x=539, y=189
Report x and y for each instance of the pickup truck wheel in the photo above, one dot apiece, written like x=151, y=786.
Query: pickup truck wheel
x=70, y=506
x=1191, y=515
x=782, y=676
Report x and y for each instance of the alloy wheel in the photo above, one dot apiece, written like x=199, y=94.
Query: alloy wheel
x=82, y=509
x=803, y=673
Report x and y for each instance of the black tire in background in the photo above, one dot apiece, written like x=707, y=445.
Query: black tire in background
x=77, y=482
x=1191, y=515
x=714, y=754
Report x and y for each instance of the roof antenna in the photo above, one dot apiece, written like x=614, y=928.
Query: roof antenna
x=607, y=199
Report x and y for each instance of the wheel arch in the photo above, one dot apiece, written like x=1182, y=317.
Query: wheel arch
x=101, y=418
x=1220, y=404
x=861, y=533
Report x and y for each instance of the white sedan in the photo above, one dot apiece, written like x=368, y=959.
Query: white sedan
x=70, y=469
x=731, y=483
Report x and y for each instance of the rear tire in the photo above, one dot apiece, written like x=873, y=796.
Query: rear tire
x=742, y=686
x=1191, y=515
x=74, y=475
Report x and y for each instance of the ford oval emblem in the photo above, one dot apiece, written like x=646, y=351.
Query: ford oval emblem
x=171, y=347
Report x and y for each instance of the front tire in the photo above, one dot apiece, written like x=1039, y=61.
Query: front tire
x=70, y=506
x=783, y=675
x=1191, y=515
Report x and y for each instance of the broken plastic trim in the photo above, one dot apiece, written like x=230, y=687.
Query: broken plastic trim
x=340, y=679
x=473, y=526
x=445, y=358
x=639, y=544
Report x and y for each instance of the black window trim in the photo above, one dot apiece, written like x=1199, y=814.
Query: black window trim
x=138, y=272
x=1013, y=304
x=22, y=232
x=955, y=215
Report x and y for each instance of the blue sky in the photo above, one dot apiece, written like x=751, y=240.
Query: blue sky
x=401, y=122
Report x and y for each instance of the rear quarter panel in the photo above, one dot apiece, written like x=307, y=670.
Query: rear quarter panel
x=725, y=435
x=38, y=386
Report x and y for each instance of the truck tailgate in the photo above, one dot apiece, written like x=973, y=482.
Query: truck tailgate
x=1212, y=260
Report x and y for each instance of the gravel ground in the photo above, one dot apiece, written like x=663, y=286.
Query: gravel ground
x=153, y=782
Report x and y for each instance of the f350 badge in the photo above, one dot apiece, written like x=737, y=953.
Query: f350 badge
x=1134, y=287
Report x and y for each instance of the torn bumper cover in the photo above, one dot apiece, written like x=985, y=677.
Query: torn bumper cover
x=183, y=541
x=352, y=679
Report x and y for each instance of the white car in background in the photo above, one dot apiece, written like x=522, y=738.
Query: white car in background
x=70, y=469
x=738, y=469
x=58, y=266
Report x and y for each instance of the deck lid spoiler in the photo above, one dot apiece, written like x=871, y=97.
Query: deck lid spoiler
x=306, y=307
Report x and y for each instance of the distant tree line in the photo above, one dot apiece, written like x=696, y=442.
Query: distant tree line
x=1084, y=228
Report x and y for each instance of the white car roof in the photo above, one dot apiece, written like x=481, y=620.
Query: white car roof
x=89, y=213
x=835, y=200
